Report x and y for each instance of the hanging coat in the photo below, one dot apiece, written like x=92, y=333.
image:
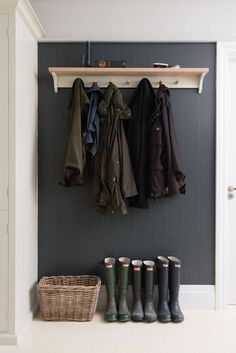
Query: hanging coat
x=113, y=176
x=141, y=104
x=93, y=120
x=74, y=159
x=166, y=173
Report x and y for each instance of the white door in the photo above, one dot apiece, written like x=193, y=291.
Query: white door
x=4, y=173
x=3, y=112
x=230, y=158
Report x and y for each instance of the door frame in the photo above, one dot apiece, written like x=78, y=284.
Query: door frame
x=226, y=53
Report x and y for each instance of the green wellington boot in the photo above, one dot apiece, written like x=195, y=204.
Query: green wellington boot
x=110, y=275
x=123, y=276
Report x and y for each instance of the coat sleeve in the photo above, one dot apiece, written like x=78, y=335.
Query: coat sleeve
x=128, y=184
x=74, y=159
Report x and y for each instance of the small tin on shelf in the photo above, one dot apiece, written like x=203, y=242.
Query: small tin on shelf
x=110, y=63
x=160, y=65
x=165, y=66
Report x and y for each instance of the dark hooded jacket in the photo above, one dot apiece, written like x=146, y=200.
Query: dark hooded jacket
x=74, y=159
x=166, y=173
x=113, y=176
x=141, y=104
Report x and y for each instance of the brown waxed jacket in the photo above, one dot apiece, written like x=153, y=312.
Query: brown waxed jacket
x=74, y=159
x=113, y=176
x=165, y=173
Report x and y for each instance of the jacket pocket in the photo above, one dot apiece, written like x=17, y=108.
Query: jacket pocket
x=156, y=148
x=156, y=136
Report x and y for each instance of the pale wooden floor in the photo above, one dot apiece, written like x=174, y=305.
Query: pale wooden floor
x=202, y=332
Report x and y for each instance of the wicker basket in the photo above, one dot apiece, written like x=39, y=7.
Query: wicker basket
x=68, y=298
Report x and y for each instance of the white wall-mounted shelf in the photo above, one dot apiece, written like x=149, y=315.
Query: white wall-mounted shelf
x=63, y=77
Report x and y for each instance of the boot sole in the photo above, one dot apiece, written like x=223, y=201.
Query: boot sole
x=177, y=321
x=111, y=320
x=150, y=320
x=164, y=321
x=123, y=320
x=137, y=319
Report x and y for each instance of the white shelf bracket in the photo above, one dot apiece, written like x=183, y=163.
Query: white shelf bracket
x=201, y=78
x=55, y=82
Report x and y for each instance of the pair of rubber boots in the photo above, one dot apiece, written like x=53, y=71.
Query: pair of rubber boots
x=168, y=277
x=117, y=311
x=143, y=288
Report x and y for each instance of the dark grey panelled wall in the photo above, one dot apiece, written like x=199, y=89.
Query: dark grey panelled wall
x=73, y=237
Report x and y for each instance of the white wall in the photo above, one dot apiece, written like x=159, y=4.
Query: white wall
x=140, y=20
x=26, y=172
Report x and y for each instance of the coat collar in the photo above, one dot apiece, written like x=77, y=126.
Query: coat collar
x=113, y=96
x=94, y=89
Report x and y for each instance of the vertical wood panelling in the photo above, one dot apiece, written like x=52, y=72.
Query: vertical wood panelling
x=73, y=237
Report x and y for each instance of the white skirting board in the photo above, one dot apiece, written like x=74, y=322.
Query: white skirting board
x=14, y=339
x=8, y=339
x=192, y=297
x=26, y=325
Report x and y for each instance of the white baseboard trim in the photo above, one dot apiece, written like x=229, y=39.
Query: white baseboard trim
x=26, y=325
x=192, y=297
x=197, y=297
x=8, y=339
x=13, y=339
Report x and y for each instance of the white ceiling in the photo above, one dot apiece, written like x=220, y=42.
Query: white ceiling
x=137, y=20
x=143, y=1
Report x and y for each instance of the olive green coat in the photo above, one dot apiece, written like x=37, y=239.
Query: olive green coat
x=113, y=175
x=74, y=159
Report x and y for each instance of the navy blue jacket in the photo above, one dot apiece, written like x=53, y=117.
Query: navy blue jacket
x=93, y=120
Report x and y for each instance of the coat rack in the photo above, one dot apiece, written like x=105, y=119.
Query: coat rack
x=63, y=77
